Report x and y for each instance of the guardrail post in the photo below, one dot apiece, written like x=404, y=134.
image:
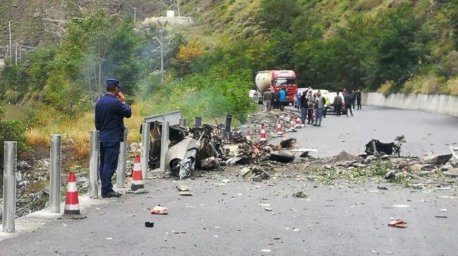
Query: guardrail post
x=9, y=185
x=182, y=122
x=198, y=121
x=121, y=169
x=164, y=144
x=94, y=165
x=145, y=148
x=227, y=127
x=55, y=173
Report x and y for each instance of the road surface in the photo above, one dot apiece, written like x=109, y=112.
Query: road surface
x=231, y=219
x=230, y=216
x=425, y=133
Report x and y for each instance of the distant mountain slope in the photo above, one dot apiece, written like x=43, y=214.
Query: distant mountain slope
x=35, y=22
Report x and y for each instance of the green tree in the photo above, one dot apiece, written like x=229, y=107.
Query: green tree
x=278, y=15
x=400, y=43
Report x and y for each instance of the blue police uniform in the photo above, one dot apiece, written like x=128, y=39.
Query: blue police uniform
x=109, y=115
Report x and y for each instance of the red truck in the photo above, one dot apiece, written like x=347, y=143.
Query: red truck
x=275, y=80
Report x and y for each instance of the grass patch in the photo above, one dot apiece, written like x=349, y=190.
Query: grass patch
x=76, y=132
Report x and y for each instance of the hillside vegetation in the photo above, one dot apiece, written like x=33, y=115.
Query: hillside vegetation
x=390, y=46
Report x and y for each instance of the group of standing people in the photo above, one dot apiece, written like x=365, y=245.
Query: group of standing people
x=312, y=107
x=350, y=101
x=275, y=100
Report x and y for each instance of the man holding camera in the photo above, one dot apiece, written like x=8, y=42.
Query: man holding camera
x=110, y=111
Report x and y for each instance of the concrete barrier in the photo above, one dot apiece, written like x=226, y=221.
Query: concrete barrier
x=443, y=104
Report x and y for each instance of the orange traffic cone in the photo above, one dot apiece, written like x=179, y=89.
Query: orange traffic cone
x=279, y=128
x=71, y=200
x=262, y=133
x=137, y=178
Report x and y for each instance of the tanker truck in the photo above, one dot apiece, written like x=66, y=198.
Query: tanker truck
x=275, y=80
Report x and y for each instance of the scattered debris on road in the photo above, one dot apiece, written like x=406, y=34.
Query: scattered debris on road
x=149, y=224
x=398, y=223
x=300, y=194
x=159, y=210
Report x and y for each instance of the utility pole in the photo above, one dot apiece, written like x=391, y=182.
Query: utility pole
x=161, y=44
x=178, y=5
x=10, y=48
x=135, y=15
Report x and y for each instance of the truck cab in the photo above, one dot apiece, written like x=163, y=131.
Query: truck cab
x=287, y=79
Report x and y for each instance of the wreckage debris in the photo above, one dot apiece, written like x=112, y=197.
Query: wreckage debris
x=288, y=143
x=256, y=173
x=183, y=188
x=149, y=224
x=300, y=194
x=282, y=156
x=159, y=210
x=376, y=147
x=398, y=223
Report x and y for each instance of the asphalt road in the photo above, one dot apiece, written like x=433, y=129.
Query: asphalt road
x=425, y=133
x=231, y=219
x=230, y=216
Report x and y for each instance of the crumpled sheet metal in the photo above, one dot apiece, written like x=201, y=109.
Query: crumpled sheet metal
x=181, y=152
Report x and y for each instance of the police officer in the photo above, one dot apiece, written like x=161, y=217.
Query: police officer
x=110, y=111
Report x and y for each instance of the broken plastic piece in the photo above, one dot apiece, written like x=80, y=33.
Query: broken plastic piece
x=398, y=223
x=159, y=210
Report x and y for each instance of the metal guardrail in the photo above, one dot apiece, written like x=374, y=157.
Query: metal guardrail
x=166, y=120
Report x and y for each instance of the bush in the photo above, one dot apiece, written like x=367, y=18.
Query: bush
x=451, y=87
x=387, y=88
x=12, y=131
x=428, y=84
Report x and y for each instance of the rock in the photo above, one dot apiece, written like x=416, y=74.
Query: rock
x=453, y=162
x=246, y=172
x=452, y=172
x=300, y=194
x=343, y=156
x=83, y=182
x=437, y=159
x=385, y=157
x=257, y=178
x=368, y=160
x=260, y=176
x=182, y=188
x=365, y=161
x=359, y=165
x=446, y=167
x=345, y=164
x=420, y=167
x=209, y=163
x=391, y=174
x=23, y=165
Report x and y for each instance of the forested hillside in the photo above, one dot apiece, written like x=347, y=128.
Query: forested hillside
x=392, y=45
